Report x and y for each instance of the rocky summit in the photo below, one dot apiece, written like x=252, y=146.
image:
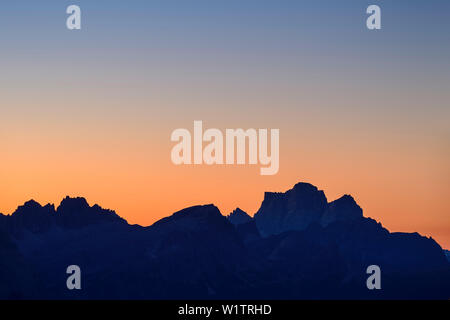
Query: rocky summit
x=300, y=207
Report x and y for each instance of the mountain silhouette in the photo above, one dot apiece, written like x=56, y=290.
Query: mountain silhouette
x=298, y=208
x=297, y=246
x=239, y=216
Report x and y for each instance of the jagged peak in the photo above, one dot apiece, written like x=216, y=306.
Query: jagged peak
x=69, y=203
x=346, y=198
x=343, y=208
x=32, y=206
x=304, y=189
x=78, y=212
x=238, y=216
x=72, y=212
x=238, y=211
x=32, y=203
x=299, y=188
x=305, y=186
x=346, y=202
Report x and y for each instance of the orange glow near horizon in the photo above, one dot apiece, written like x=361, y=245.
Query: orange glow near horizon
x=364, y=113
x=403, y=189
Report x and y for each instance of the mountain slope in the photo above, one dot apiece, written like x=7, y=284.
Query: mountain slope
x=298, y=246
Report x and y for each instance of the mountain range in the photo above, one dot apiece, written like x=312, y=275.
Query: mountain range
x=297, y=246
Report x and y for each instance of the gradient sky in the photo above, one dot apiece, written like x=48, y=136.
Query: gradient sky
x=90, y=112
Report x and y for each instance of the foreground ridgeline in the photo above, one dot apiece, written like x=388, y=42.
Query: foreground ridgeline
x=297, y=246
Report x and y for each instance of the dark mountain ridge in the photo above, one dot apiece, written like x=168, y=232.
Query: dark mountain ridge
x=238, y=216
x=297, y=246
x=300, y=207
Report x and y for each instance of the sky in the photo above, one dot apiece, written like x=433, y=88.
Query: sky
x=90, y=112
